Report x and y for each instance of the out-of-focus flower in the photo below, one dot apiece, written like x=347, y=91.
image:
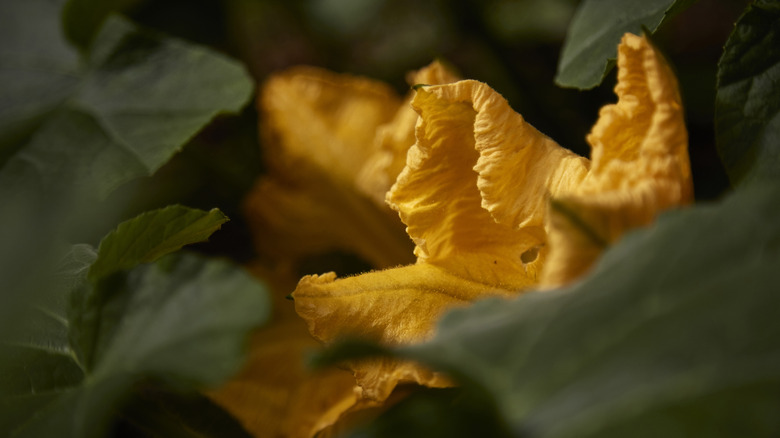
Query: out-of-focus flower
x=276, y=394
x=495, y=208
x=334, y=145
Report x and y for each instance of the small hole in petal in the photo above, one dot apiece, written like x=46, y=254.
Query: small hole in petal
x=529, y=255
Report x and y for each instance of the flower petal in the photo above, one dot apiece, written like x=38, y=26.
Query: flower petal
x=323, y=118
x=318, y=129
x=394, y=139
x=640, y=165
x=275, y=393
x=315, y=214
x=394, y=306
x=474, y=189
x=645, y=130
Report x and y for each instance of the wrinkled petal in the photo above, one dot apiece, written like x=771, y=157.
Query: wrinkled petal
x=518, y=166
x=471, y=198
x=394, y=306
x=323, y=118
x=394, y=139
x=640, y=165
x=315, y=214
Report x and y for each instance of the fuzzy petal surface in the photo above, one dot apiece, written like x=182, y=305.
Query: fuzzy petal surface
x=394, y=306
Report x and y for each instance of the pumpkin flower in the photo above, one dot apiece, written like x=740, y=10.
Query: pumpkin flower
x=334, y=145
x=496, y=208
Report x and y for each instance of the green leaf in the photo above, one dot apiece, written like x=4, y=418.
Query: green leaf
x=78, y=412
x=142, y=239
x=675, y=332
x=590, y=48
x=151, y=235
x=747, y=105
x=182, y=320
x=434, y=413
x=83, y=18
x=35, y=355
x=38, y=71
x=119, y=114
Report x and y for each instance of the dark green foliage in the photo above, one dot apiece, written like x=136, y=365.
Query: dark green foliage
x=182, y=319
x=747, y=107
x=665, y=336
x=590, y=49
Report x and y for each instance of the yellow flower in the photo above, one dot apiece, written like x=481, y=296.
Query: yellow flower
x=495, y=208
x=276, y=394
x=334, y=146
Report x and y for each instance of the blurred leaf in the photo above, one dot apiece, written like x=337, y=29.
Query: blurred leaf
x=142, y=239
x=38, y=71
x=747, y=107
x=151, y=235
x=82, y=18
x=590, y=48
x=29, y=228
x=35, y=355
x=535, y=20
x=675, y=333
x=183, y=319
x=432, y=413
x=138, y=98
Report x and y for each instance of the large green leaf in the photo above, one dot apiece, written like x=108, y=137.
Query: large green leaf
x=38, y=70
x=35, y=355
x=183, y=319
x=590, y=48
x=98, y=304
x=153, y=234
x=37, y=364
x=747, y=106
x=119, y=114
x=674, y=333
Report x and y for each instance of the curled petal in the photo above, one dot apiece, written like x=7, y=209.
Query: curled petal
x=640, y=165
x=518, y=166
x=645, y=130
x=474, y=189
x=394, y=139
x=394, y=306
